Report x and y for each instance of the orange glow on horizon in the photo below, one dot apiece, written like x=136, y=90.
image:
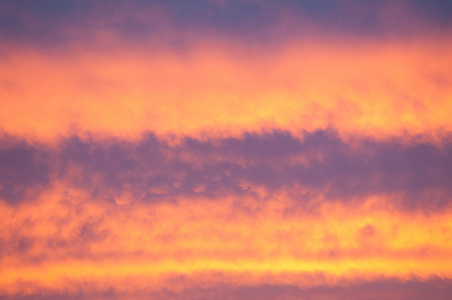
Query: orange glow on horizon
x=79, y=238
x=355, y=88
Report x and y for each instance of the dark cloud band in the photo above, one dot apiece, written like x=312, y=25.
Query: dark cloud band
x=156, y=170
x=52, y=22
x=391, y=289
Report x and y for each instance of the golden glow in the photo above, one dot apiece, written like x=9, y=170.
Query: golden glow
x=75, y=238
x=354, y=87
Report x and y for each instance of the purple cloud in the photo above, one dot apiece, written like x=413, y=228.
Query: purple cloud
x=153, y=170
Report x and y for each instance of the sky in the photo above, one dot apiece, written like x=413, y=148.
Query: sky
x=225, y=149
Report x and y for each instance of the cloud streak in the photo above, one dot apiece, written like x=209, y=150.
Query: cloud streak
x=378, y=90
x=216, y=212
x=76, y=239
x=228, y=149
x=177, y=23
x=415, y=172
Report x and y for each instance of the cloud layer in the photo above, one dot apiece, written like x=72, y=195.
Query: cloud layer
x=355, y=87
x=255, y=165
x=177, y=23
x=272, y=205
x=225, y=149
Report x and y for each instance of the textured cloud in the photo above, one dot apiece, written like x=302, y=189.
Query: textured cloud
x=225, y=149
x=203, y=218
x=353, y=87
x=69, y=242
x=253, y=213
x=24, y=170
x=415, y=172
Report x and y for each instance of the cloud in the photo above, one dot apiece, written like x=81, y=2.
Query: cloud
x=225, y=149
x=354, y=87
x=177, y=23
x=272, y=205
x=24, y=170
x=414, y=173
x=391, y=289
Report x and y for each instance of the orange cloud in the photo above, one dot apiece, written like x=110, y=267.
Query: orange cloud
x=225, y=150
x=68, y=238
x=355, y=87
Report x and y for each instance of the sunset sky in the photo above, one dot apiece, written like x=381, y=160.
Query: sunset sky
x=226, y=149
